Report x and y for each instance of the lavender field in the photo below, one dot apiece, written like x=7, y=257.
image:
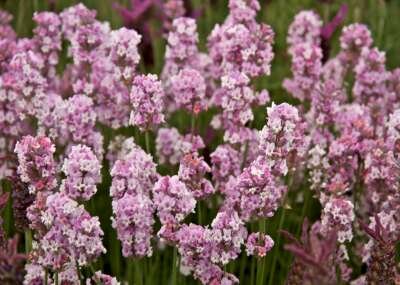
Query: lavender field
x=211, y=142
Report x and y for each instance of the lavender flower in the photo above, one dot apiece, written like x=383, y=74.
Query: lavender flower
x=133, y=220
x=82, y=170
x=72, y=234
x=147, y=98
x=172, y=200
x=36, y=163
x=305, y=28
x=192, y=170
x=282, y=140
x=124, y=53
x=171, y=146
x=189, y=89
x=258, y=244
x=338, y=215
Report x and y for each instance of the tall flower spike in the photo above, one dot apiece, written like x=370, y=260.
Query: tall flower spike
x=305, y=28
x=306, y=69
x=283, y=139
x=147, y=98
x=189, y=89
x=338, y=215
x=36, y=164
x=258, y=193
x=192, y=170
x=258, y=244
x=134, y=174
x=227, y=235
x=72, y=235
x=353, y=39
x=124, y=53
x=82, y=170
x=173, y=202
x=133, y=220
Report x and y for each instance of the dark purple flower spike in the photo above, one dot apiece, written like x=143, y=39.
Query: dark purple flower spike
x=329, y=28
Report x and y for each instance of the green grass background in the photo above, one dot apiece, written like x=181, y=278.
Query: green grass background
x=382, y=17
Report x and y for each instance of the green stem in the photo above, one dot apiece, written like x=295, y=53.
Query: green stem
x=46, y=276
x=246, y=151
x=199, y=213
x=261, y=261
x=28, y=241
x=174, y=267
x=56, y=278
x=138, y=273
x=193, y=125
x=147, y=141
x=78, y=272
x=281, y=221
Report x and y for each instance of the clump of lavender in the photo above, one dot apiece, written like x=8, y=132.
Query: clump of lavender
x=71, y=234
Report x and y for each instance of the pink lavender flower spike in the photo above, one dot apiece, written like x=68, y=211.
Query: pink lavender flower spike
x=227, y=235
x=182, y=40
x=225, y=163
x=237, y=47
x=306, y=69
x=133, y=174
x=194, y=248
x=258, y=244
x=171, y=146
x=305, y=28
x=72, y=234
x=36, y=163
x=243, y=10
x=124, y=54
x=192, y=171
x=371, y=78
x=82, y=170
x=353, y=39
x=173, y=202
x=24, y=77
x=102, y=278
x=258, y=193
x=189, y=90
x=35, y=275
x=147, y=98
x=338, y=215
x=74, y=17
x=78, y=117
x=48, y=39
x=133, y=220
x=283, y=139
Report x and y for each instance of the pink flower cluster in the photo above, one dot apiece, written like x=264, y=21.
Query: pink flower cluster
x=82, y=170
x=342, y=142
x=133, y=177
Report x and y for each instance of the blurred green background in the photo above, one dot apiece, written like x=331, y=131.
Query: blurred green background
x=383, y=19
